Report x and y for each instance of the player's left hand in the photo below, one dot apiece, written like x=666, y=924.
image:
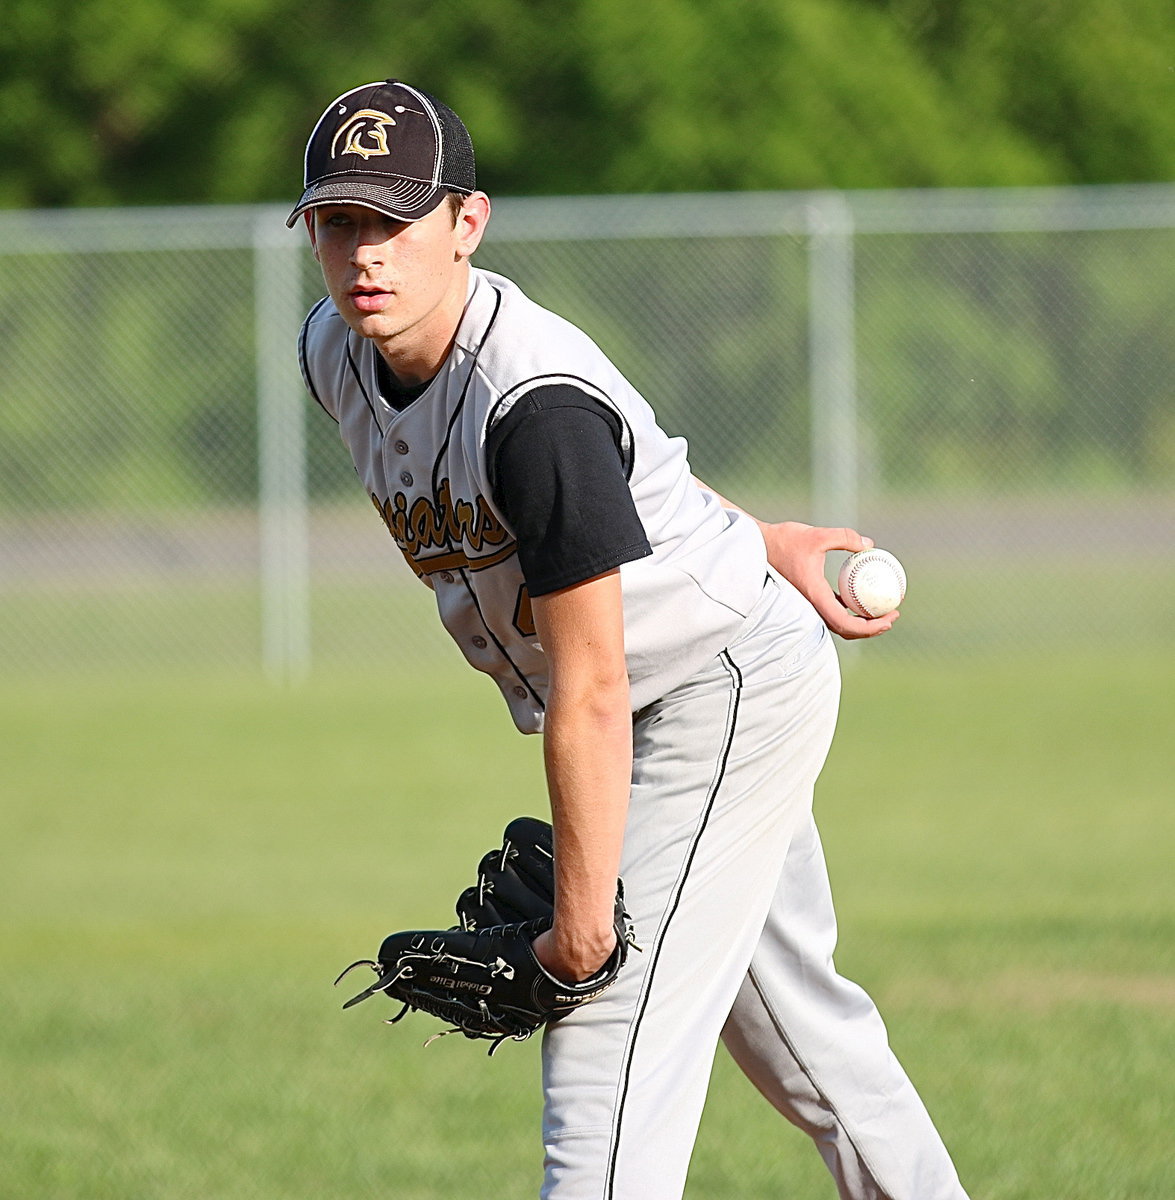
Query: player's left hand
x=485, y=977
x=797, y=552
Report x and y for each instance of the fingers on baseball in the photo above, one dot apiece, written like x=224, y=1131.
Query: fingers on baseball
x=845, y=538
x=852, y=627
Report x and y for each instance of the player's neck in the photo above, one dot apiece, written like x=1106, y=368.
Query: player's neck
x=408, y=369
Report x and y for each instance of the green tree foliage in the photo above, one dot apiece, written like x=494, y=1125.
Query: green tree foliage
x=1091, y=84
x=195, y=101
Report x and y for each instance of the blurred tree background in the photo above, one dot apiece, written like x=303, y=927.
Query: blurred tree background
x=115, y=102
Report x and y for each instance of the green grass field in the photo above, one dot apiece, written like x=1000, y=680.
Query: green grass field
x=188, y=862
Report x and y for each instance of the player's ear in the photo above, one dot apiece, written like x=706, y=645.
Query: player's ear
x=471, y=223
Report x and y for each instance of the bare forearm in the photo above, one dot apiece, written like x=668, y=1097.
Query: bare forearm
x=588, y=755
x=587, y=745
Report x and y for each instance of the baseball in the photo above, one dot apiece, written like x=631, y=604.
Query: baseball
x=872, y=582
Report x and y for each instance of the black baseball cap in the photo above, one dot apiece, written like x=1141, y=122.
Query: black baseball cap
x=390, y=147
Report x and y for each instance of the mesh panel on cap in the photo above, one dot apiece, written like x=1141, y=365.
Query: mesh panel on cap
x=458, y=165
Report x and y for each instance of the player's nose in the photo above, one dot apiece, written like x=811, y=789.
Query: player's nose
x=370, y=245
x=366, y=253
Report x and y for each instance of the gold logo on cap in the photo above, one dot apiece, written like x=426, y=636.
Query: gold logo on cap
x=364, y=134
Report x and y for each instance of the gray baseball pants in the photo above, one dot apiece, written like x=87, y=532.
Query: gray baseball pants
x=727, y=887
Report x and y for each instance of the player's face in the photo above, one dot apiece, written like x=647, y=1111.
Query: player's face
x=401, y=284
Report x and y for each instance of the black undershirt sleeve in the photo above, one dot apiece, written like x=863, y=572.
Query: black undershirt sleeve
x=558, y=475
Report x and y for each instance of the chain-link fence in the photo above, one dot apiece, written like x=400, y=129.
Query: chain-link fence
x=982, y=381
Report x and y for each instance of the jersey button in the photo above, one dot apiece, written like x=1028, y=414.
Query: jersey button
x=401, y=447
x=520, y=692
x=479, y=642
x=406, y=478
x=446, y=576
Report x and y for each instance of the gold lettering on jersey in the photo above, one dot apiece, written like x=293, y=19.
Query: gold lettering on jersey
x=446, y=534
x=364, y=134
x=524, y=614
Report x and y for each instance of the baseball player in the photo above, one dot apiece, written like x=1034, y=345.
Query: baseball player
x=673, y=652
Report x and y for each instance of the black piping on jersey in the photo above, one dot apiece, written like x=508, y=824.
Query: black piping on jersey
x=460, y=405
x=519, y=674
x=359, y=380
x=303, y=334
x=507, y=400
x=736, y=678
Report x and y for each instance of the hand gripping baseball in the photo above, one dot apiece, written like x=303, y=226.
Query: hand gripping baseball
x=482, y=977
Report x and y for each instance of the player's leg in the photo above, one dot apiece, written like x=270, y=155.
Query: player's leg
x=723, y=774
x=815, y=1046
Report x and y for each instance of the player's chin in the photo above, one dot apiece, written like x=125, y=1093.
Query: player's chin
x=369, y=324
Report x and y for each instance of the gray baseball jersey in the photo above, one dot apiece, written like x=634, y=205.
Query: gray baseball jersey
x=426, y=472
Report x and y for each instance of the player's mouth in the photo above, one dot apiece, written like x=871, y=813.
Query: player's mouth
x=369, y=299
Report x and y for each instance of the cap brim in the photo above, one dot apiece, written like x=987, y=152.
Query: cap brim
x=409, y=200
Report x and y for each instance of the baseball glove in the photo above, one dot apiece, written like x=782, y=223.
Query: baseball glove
x=515, y=881
x=482, y=976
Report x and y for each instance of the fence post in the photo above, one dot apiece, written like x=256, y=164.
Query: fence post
x=281, y=448
x=832, y=361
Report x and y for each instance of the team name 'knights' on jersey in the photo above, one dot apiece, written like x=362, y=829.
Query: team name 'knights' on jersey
x=425, y=469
